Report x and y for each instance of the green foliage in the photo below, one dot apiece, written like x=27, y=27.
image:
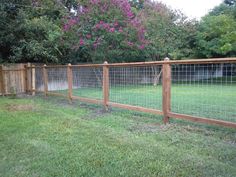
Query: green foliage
x=224, y=9
x=168, y=32
x=52, y=31
x=230, y=2
x=137, y=4
x=39, y=42
x=217, y=36
x=30, y=34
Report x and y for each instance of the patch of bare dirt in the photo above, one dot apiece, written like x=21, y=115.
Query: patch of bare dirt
x=150, y=128
x=231, y=142
x=96, y=113
x=193, y=129
x=15, y=107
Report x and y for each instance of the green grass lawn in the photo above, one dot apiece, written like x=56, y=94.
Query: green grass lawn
x=217, y=101
x=49, y=137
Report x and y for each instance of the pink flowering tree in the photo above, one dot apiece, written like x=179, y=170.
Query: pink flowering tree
x=105, y=30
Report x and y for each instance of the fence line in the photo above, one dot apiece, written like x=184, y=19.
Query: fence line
x=196, y=90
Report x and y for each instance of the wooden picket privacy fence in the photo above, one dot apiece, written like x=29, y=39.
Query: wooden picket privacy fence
x=16, y=79
x=109, y=74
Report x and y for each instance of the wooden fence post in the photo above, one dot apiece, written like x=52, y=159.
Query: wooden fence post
x=45, y=80
x=26, y=78
x=105, y=85
x=70, y=82
x=33, y=81
x=29, y=78
x=166, y=90
x=2, y=82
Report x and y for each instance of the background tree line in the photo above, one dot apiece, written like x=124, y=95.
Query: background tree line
x=62, y=31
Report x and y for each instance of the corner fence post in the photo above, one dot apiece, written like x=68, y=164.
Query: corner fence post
x=166, y=90
x=105, y=85
x=70, y=82
x=2, y=83
x=45, y=80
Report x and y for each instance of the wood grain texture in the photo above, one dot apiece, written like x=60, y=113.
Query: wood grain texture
x=2, y=84
x=70, y=82
x=202, y=120
x=45, y=80
x=105, y=85
x=166, y=90
x=33, y=80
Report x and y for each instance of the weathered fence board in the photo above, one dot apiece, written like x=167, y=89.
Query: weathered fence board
x=13, y=79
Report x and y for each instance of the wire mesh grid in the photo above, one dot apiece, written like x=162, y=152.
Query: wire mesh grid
x=136, y=86
x=39, y=83
x=205, y=90
x=87, y=82
x=57, y=80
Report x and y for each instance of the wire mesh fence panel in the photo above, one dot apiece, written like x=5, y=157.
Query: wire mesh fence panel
x=205, y=90
x=87, y=82
x=39, y=83
x=57, y=80
x=136, y=86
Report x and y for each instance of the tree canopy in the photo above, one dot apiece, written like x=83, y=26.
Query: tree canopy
x=216, y=36
x=62, y=31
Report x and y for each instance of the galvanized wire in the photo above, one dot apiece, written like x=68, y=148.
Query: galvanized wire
x=87, y=82
x=137, y=86
x=205, y=90
x=57, y=80
x=39, y=83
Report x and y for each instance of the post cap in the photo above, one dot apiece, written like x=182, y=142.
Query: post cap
x=44, y=65
x=105, y=62
x=69, y=64
x=166, y=59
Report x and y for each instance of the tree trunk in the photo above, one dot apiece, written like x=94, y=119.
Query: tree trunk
x=157, y=76
x=98, y=76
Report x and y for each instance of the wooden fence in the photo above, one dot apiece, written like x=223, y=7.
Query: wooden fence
x=28, y=73
x=16, y=79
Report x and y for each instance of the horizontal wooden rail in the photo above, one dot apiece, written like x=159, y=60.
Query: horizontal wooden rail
x=8, y=93
x=202, y=120
x=195, y=61
x=136, y=108
x=8, y=70
x=63, y=66
x=31, y=67
x=56, y=66
x=204, y=61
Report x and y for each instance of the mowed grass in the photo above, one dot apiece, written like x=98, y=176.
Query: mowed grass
x=217, y=101
x=49, y=137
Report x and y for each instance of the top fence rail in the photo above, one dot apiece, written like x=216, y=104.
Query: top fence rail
x=195, y=61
